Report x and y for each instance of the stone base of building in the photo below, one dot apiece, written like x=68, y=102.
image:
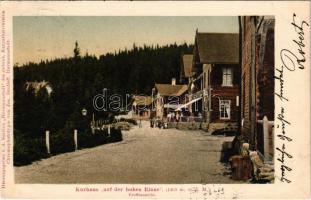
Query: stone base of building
x=228, y=126
x=216, y=126
x=188, y=125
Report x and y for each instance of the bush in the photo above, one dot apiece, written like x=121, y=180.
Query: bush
x=122, y=126
x=131, y=121
x=171, y=124
x=61, y=141
x=28, y=149
x=115, y=135
x=188, y=125
x=87, y=139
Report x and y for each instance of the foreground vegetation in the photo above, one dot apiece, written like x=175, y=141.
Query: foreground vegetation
x=28, y=149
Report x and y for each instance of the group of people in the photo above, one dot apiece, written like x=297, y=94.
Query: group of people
x=170, y=117
x=157, y=122
x=174, y=117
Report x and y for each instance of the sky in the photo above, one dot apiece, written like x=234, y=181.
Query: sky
x=38, y=38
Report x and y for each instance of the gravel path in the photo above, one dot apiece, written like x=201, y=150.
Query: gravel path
x=145, y=155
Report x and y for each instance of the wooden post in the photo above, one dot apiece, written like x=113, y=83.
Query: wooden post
x=109, y=130
x=47, y=141
x=272, y=140
x=75, y=137
x=94, y=124
x=266, y=137
x=253, y=83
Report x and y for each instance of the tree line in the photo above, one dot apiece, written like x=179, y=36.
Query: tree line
x=76, y=80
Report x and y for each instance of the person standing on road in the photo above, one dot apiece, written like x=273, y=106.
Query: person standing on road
x=177, y=116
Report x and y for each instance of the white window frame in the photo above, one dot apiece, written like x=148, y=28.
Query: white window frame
x=226, y=72
x=226, y=103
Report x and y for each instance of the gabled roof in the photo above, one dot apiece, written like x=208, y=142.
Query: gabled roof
x=187, y=65
x=142, y=100
x=171, y=90
x=214, y=48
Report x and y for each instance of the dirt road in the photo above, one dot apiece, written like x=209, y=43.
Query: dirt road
x=146, y=155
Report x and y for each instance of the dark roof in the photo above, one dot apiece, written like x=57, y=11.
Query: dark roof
x=171, y=90
x=187, y=65
x=218, y=48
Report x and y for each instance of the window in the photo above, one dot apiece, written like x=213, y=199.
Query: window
x=224, y=109
x=227, y=76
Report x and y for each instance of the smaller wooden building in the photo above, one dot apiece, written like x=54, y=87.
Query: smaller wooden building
x=168, y=98
x=141, y=107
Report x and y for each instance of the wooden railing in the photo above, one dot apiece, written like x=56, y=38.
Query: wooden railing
x=198, y=94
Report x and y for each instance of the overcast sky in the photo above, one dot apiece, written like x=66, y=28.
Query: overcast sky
x=37, y=38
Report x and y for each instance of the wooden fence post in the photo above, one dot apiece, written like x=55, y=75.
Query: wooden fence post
x=47, y=141
x=109, y=130
x=266, y=137
x=75, y=137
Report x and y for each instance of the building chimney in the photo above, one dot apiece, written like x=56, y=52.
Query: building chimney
x=173, y=81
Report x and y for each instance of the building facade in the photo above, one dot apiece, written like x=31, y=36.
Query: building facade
x=257, y=78
x=217, y=77
x=141, y=107
x=167, y=98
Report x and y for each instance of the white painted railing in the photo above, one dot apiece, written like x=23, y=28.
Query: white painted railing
x=266, y=123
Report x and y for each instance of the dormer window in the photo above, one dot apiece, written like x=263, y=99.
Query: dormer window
x=227, y=76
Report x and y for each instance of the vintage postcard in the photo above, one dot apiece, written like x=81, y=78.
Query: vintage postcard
x=155, y=100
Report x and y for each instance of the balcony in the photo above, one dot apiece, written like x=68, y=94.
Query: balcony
x=198, y=94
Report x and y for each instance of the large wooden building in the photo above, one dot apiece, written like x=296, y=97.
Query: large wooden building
x=257, y=78
x=216, y=78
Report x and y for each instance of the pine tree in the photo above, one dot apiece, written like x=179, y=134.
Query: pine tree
x=76, y=51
